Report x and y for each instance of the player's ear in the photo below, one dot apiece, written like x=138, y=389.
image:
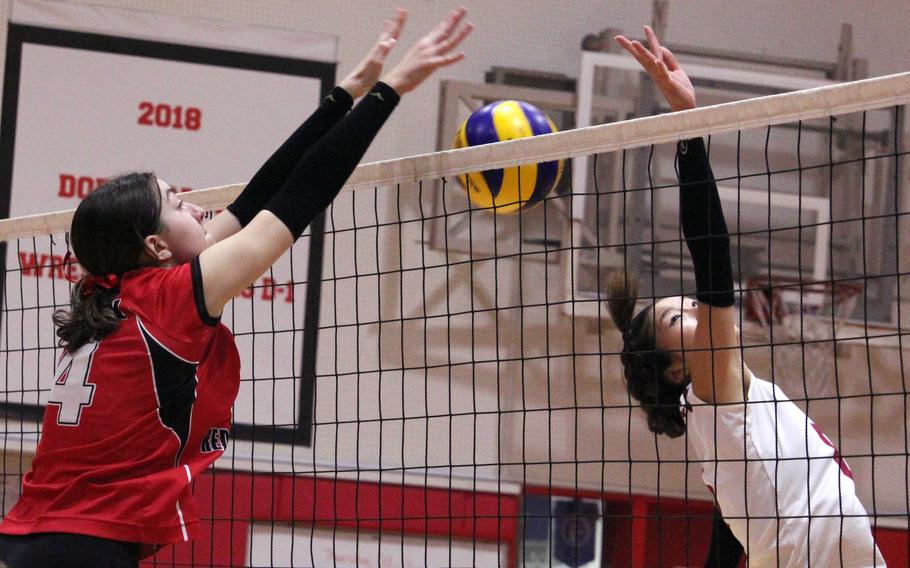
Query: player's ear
x=676, y=374
x=156, y=249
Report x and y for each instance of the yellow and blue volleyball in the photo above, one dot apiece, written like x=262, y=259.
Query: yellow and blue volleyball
x=509, y=189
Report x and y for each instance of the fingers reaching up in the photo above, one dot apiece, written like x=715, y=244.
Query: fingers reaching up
x=653, y=41
x=641, y=54
x=391, y=31
x=369, y=69
x=660, y=63
x=436, y=49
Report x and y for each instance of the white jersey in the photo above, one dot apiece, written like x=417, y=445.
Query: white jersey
x=779, y=482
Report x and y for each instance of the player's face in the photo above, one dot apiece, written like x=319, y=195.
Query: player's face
x=674, y=325
x=182, y=230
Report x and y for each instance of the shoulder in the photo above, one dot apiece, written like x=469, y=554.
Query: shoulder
x=153, y=275
x=691, y=407
x=762, y=390
x=759, y=390
x=167, y=292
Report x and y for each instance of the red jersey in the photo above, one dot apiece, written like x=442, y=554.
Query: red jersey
x=133, y=418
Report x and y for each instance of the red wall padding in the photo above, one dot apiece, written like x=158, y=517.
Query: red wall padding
x=229, y=501
x=639, y=530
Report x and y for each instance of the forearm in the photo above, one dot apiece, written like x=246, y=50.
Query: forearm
x=703, y=225
x=322, y=171
x=223, y=225
x=714, y=364
x=230, y=265
x=276, y=170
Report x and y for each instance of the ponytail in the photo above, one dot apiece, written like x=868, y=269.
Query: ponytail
x=644, y=364
x=91, y=316
x=108, y=236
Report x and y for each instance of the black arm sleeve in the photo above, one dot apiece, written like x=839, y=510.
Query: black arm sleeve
x=322, y=171
x=725, y=551
x=275, y=171
x=703, y=225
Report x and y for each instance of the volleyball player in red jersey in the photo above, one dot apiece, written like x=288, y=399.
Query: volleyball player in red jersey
x=143, y=390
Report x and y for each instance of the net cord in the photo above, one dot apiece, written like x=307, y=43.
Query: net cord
x=867, y=94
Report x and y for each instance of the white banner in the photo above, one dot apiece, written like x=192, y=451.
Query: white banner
x=97, y=92
x=271, y=545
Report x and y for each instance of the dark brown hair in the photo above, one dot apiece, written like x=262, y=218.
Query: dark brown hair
x=107, y=236
x=644, y=364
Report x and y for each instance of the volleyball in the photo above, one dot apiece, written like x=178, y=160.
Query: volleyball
x=509, y=189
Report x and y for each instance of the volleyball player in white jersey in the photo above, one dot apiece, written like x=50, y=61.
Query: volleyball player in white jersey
x=780, y=484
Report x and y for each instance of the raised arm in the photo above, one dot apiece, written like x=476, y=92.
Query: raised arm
x=714, y=361
x=229, y=266
x=276, y=170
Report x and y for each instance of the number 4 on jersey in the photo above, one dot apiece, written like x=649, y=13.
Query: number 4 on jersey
x=72, y=391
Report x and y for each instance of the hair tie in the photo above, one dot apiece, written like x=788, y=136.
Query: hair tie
x=90, y=283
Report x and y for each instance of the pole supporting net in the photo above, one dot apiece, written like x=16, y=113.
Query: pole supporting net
x=424, y=382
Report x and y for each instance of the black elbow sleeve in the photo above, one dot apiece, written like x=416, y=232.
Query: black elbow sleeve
x=275, y=171
x=703, y=225
x=320, y=174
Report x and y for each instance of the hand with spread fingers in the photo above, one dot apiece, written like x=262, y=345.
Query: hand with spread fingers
x=370, y=68
x=663, y=68
x=431, y=52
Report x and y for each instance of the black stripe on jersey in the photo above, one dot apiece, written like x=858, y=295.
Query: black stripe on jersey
x=175, y=388
x=199, y=293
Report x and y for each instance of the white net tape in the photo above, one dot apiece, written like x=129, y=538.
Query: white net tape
x=833, y=100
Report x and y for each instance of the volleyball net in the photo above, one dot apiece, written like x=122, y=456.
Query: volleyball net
x=428, y=383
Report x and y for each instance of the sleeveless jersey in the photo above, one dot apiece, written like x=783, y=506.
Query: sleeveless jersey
x=779, y=482
x=133, y=418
